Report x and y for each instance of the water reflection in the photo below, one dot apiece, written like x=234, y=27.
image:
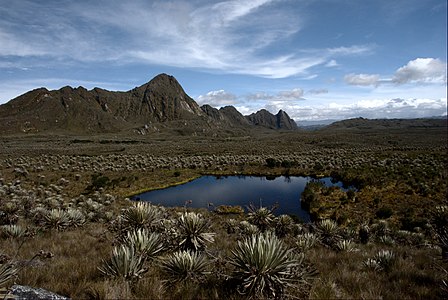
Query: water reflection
x=281, y=191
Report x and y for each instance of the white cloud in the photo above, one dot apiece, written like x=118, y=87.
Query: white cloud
x=362, y=79
x=217, y=98
x=289, y=95
x=421, y=70
x=317, y=91
x=370, y=108
x=332, y=63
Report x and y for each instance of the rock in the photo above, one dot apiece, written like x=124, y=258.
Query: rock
x=29, y=293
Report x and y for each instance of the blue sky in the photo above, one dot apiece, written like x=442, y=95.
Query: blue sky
x=315, y=59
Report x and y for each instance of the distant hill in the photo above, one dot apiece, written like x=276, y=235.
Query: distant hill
x=362, y=123
x=142, y=109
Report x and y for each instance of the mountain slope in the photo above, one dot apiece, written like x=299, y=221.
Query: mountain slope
x=160, y=101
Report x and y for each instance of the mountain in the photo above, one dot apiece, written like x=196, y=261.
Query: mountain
x=161, y=101
x=228, y=116
x=279, y=121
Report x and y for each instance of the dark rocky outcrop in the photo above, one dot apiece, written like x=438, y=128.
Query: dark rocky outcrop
x=279, y=121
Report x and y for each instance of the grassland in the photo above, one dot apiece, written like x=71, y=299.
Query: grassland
x=67, y=196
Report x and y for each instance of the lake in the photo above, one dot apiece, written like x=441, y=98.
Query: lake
x=212, y=191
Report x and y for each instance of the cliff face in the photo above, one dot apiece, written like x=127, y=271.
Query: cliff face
x=279, y=121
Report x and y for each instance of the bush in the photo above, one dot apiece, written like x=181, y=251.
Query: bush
x=262, y=217
x=192, y=229
x=149, y=245
x=185, y=265
x=265, y=267
x=7, y=272
x=125, y=263
x=272, y=162
x=384, y=212
x=141, y=215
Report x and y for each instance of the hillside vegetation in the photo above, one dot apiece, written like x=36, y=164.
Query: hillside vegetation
x=67, y=225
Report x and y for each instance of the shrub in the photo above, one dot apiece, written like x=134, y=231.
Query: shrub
x=439, y=222
x=265, y=267
x=75, y=217
x=248, y=229
x=141, y=215
x=283, y=225
x=384, y=212
x=346, y=246
x=124, y=263
x=12, y=231
x=272, y=162
x=261, y=217
x=144, y=243
x=56, y=219
x=364, y=234
x=7, y=272
x=306, y=241
x=184, y=265
x=384, y=260
x=229, y=209
x=192, y=229
x=328, y=231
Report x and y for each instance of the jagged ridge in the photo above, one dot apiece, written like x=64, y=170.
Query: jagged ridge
x=161, y=100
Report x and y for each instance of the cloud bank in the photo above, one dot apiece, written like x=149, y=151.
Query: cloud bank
x=419, y=71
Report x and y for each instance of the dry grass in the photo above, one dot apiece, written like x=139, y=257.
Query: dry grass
x=78, y=252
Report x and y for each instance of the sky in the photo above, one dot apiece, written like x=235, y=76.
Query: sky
x=315, y=59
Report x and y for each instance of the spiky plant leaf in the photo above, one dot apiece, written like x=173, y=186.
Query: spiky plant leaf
x=346, y=246
x=265, y=267
x=383, y=260
x=283, y=225
x=12, y=231
x=75, y=217
x=262, y=217
x=193, y=235
x=248, y=229
x=56, y=219
x=141, y=215
x=7, y=272
x=185, y=265
x=328, y=232
x=145, y=243
x=124, y=263
x=306, y=241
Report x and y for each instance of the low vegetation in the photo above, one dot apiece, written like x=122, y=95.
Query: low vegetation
x=66, y=224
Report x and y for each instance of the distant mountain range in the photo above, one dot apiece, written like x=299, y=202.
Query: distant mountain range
x=160, y=103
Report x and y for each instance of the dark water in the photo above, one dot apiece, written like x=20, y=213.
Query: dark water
x=237, y=190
